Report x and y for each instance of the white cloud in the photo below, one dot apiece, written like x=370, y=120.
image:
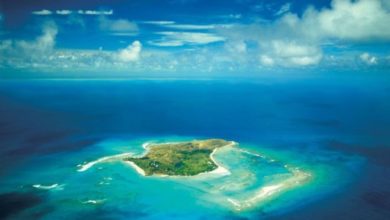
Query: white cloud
x=284, y=9
x=231, y=16
x=75, y=20
x=42, y=54
x=42, y=12
x=93, y=12
x=42, y=44
x=28, y=54
x=119, y=25
x=125, y=34
x=295, y=41
x=47, y=40
x=68, y=12
x=183, y=36
x=236, y=47
x=174, y=25
x=191, y=38
x=290, y=41
x=285, y=53
x=235, y=16
x=266, y=60
x=261, y=7
x=130, y=53
x=368, y=59
x=170, y=43
x=63, y=12
x=189, y=26
x=158, y=22
x=359, y=20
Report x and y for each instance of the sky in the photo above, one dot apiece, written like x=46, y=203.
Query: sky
x=189, y=37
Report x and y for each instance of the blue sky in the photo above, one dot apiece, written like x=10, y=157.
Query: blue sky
x=178, y=37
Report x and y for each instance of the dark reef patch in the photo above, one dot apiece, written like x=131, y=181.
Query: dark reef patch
x=13, y=203
x=378, y=199
x=377, y=154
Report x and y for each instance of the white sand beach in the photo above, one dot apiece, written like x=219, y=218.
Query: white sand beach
x=266, y=192
x=86, y=166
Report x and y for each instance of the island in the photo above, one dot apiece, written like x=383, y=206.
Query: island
x=179, y=159
x=242, y=187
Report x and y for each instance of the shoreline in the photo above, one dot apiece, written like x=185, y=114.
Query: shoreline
x=137, y=168
x=220, y=170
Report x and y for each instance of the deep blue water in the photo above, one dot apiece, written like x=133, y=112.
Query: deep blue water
x=43, y=118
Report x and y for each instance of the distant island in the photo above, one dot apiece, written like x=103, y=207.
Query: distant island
x=179, y=159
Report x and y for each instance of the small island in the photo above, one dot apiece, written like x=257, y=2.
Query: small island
x=179, y=159
x=195, y=160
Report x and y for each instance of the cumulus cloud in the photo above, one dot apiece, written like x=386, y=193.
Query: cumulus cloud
x=47, y=40
x=130, y=53
x=359, y=20
x=293, y=40
x=41, y=53
x=29, y=54
x=266, y=60
x=41, y=45
x=368, y=59
x=285, y=53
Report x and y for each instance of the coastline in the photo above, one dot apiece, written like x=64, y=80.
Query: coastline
x=137, y=168
x=220, y=170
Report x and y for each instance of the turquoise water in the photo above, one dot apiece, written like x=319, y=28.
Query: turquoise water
x=116, y=189
x=49, y=128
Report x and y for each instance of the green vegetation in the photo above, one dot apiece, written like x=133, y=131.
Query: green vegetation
x=184, y=159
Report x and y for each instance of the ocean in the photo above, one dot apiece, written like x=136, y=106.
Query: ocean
x=336, y=129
